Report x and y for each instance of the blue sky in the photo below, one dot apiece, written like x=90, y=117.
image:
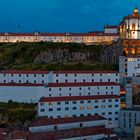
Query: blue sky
x=62, y=15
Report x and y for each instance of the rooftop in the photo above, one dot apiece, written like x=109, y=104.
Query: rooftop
x=62, y=134
x=78, y=84
x=72, y=98
x=45, y=121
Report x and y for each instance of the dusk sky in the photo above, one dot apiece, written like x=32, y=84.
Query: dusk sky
x=62, y=15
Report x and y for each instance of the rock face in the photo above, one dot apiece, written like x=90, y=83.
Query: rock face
x=66, y=55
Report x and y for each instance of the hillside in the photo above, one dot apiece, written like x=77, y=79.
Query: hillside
x=51, y=56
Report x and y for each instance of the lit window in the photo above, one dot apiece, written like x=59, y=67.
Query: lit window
x=82, y=107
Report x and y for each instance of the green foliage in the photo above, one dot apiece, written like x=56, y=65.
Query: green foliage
x=14, y=111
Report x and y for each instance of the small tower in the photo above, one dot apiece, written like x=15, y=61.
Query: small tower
x=136, y=11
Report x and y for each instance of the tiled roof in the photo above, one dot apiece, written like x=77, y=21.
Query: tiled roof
x=73, y=98
x=59, y=34
x=85, y=72
x=111, y=26
x=78, y=84
x=45, y=121
x=63, y=134
x=21, y=84
x=24, y=72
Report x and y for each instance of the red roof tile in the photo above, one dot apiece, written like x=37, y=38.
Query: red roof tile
x=73, y=98
x=59, y=34
x=24, y=72
x=45, y=121
x=21, y=84
x=85, y=72
x=63, y=134
x=78, y=84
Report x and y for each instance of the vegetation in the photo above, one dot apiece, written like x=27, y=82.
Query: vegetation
x=24, y=56
x=16, y=114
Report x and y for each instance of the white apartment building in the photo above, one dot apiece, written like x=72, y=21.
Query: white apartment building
x=27, y=93
x=129, y=66
x=44, y=124
x=27, y=76
x=87, y=38
x=75, y=106
x=82, y=89
x=71, y=128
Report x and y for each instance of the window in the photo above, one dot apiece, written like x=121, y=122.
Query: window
x=110, y=100
x=116, y=100
x=66, y=103
x=42, y=104
x=89, y=107
x=4, y=74
x=59, y=89
x=80, y=88
x=70, y=89
x=34, y=81
x=111, y=87
x=19, y=75
x=75, y=75
x=66, y=75
x=103, y=106
x=89, y=101
x=81, y=125
x=27, y=81
x=109, y=113
x=116, y=119
x=74, y=108
x=12, y=75
x=92, y=74
x=42, y=75
x=103, y=101
x=74, y=102
x=42, y=82
x=96, y=101
x=75, y=81
x=56, y=75
x=84, y=80
x=110, y=106
x=100, y=80
x=108, y=80
x=103, y=113
x=100, y=74
x=19, y=81
x=116, y=105
x=96, y=114
x=92, y=80
x=82, y=115
x=66, y=81
x=66, y=108
x=55, y=127
x=58, y=109
x=106, y=87
x=81, y=102
x=34, y=75
x=50, y=89
x=4, y=81
x=50, y=109
x=96, y=106
x=89, y=114
x=110, y=119
x=56, y=81
x=58, y=103
x=82, y=107
x=42, y=110
x=116, y=112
